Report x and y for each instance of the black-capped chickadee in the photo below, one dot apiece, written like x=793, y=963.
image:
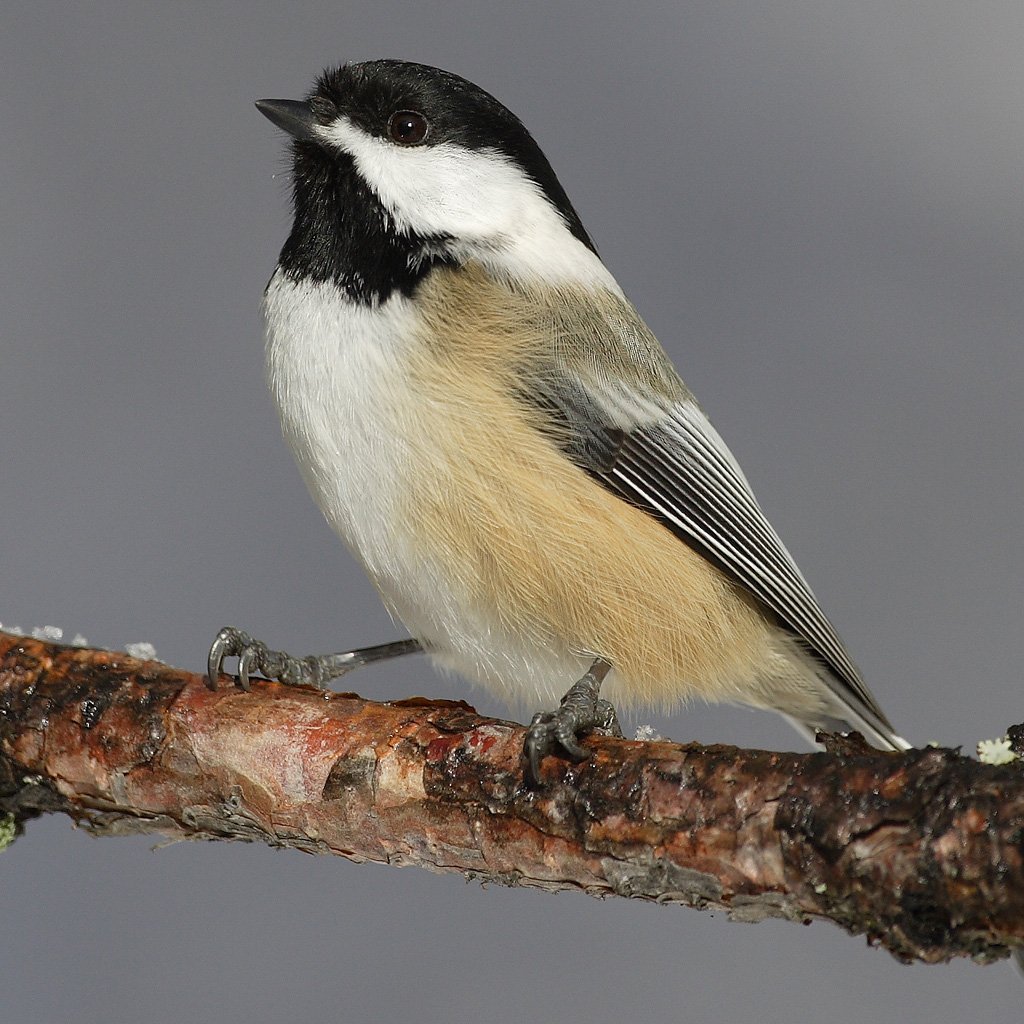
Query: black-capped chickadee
x=491, y=428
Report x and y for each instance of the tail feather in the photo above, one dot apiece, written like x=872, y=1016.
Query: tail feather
x=878, y=734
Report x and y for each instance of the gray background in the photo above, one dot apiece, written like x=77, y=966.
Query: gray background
x=817, y=207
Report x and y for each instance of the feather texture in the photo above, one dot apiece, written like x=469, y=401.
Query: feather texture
x=584, y=555
x=493, y=430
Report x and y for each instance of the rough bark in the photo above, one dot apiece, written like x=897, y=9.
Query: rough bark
x=922, y=852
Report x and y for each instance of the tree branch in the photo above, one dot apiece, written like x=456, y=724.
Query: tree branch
x=921, y=851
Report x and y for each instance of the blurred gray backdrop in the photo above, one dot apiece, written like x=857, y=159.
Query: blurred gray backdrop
x=818, y=208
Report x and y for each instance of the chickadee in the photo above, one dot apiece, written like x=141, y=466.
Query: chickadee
x=485, y=420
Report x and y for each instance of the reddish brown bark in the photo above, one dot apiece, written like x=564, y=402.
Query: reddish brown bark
x=922, y=851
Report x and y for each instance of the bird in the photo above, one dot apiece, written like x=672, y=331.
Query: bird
x=488, y=424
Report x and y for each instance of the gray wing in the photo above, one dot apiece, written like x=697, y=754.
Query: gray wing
x=672, y=463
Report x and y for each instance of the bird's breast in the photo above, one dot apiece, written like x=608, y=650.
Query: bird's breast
x=335, y=369
x=508, y=560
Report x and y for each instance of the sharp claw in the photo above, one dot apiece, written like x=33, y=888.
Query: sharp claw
x=568, y=742
x=246, y=660
x=534, y=759
x=581, y=711
x=255, y=658
x=215, y=659
x=534, y=755
x=535, y=746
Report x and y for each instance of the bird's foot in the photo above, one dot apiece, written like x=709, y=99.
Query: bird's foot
x=316, y=670
x=254, y=657
x=581, y=711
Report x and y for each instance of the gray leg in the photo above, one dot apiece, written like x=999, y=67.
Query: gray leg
x=580, y=711
x=316, y=670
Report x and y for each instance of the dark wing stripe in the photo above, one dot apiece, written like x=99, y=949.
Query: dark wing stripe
x=715, y=472
x=732, y=511
x=727, y=517
x=736, y=531
x=681, y=473
x=712, y=531
x=671, y=463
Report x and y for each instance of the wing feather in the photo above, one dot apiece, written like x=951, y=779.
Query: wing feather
x=672, y=463
x=680, y=469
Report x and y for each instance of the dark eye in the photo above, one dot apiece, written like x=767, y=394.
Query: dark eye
x=408, y=128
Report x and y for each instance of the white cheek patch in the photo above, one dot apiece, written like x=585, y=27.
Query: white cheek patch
x=443, y=188
x=480, y=198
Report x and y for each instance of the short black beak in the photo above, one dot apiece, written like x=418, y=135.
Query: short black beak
x=292, y=116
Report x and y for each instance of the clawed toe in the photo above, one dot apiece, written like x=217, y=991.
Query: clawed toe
x=581, y=711
x=547, y=733
x=255, y=658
